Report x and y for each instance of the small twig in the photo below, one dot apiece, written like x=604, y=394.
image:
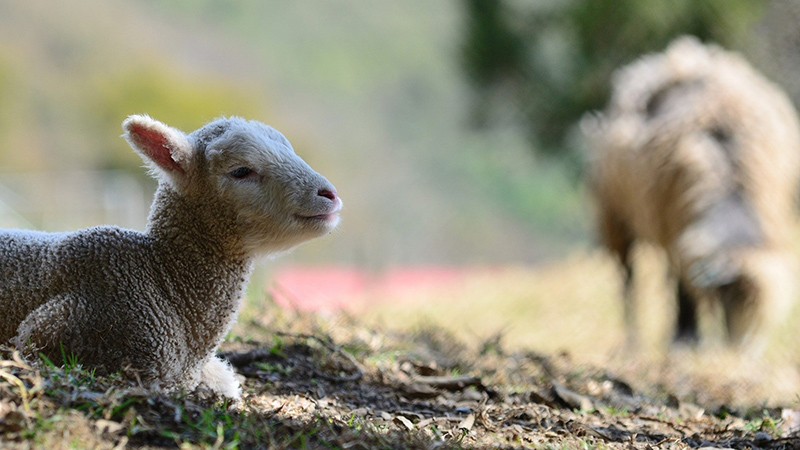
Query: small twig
x=360, y=370
x=677, y=427
x=309, y=398
x=664, y=441
x=246, y=358
x=275, y=410
x=453, y=383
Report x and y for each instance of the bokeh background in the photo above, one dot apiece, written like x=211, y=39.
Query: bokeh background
x=448, y=128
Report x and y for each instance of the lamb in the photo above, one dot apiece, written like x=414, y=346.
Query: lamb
x=157, y=304
x=699, y=154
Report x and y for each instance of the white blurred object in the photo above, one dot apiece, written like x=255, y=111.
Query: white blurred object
x=791, y=421
x=57, y=201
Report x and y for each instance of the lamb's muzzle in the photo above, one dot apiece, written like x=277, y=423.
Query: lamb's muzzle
x=328, y=212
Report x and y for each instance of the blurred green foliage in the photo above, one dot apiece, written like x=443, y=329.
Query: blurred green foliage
x=183, y=102
x=551, y=60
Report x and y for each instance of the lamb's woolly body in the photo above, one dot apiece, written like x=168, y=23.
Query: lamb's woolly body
x=700, y=155
x=159, y=302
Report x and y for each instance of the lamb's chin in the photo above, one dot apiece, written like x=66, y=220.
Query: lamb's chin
x=324, y=223
x=302, y=230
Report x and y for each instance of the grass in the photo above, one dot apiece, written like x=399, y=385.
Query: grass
x=60, y=409
x=301, y=393
x=62, y=405
x=569, y=306
x=573, y=307
x=296, y=398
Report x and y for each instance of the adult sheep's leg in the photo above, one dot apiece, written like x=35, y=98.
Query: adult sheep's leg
x=741, y=307
x=218, y=376
x=686, y=326
x=630, y=313
x=619, y=241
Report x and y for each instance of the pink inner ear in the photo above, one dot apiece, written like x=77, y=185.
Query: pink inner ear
x=156, y=146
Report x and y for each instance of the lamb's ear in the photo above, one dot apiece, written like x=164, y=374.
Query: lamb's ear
x=167, y=148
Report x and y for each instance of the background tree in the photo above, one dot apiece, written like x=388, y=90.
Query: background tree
x=544, y=63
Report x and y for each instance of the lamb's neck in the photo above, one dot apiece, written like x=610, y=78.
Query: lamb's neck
x=198, y=225
x=202, y=258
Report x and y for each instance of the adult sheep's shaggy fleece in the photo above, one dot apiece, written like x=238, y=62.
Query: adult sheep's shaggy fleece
x=699, y=154
x=158, y=303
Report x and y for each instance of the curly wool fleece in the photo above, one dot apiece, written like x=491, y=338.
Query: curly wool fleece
x=158, y=303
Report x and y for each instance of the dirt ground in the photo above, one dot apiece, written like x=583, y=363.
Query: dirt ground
x=427, y=384
x=312, y=383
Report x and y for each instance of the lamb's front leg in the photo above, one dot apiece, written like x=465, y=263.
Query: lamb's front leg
x=67, y=325
x=47, y=329
x=218, y=376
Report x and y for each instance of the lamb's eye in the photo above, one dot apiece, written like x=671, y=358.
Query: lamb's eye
x=241, y=172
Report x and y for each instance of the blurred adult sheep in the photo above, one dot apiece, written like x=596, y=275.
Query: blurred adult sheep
x=699, y=154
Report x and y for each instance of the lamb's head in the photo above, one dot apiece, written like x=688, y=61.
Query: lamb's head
x=245, y=169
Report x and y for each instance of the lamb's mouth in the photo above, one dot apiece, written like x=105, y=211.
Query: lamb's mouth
x=327, y=217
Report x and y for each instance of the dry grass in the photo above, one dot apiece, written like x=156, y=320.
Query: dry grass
x=43, y=406
x=574, y=307
x=334, y=383
x=454, y=373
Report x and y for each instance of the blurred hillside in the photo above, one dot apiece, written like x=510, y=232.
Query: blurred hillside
x=370, y=94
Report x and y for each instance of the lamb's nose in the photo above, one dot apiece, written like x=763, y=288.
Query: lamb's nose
x=330, y=194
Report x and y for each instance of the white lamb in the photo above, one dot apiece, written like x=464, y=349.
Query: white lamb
x=159, y=303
